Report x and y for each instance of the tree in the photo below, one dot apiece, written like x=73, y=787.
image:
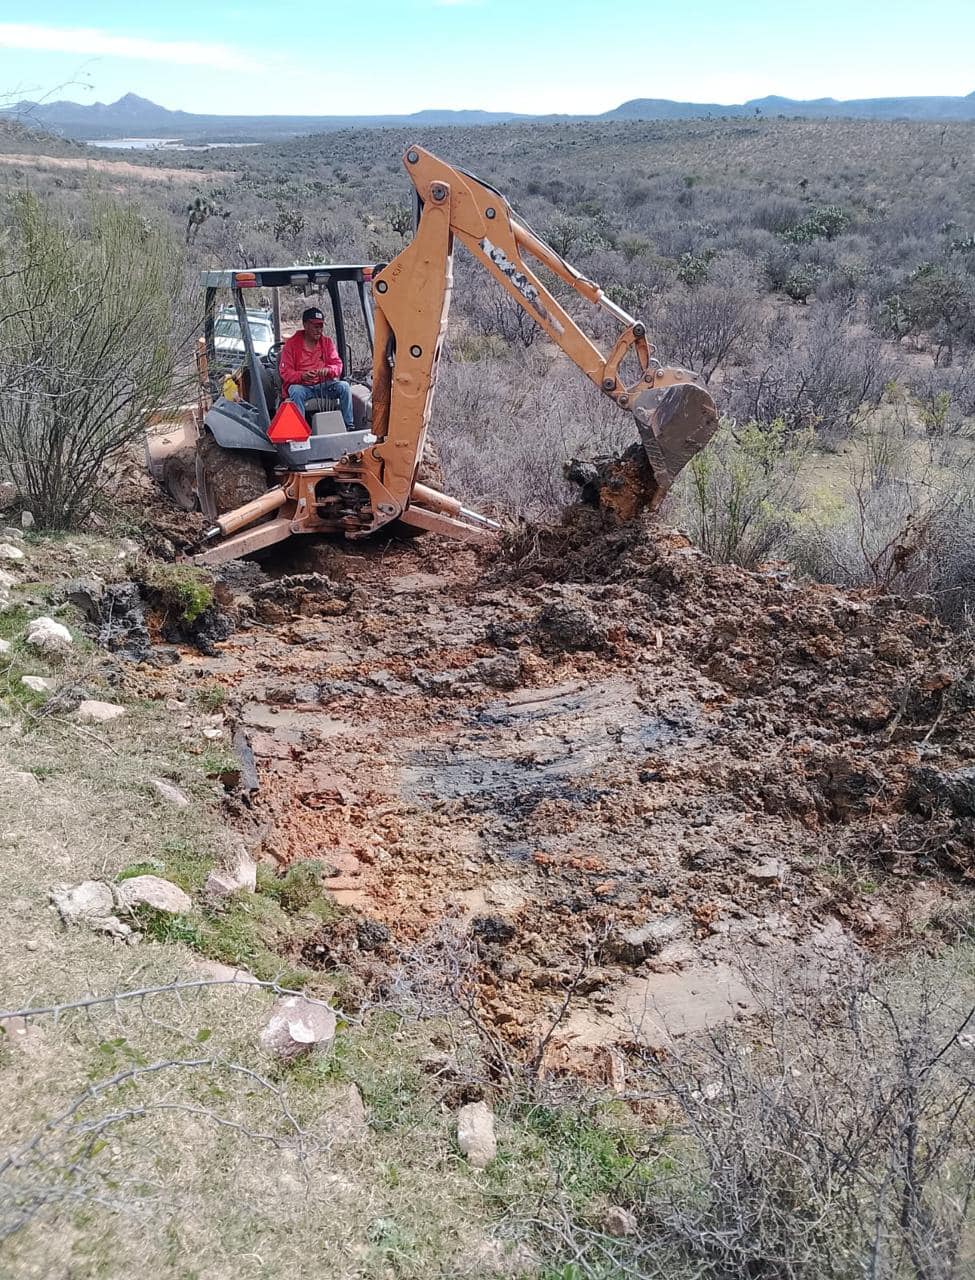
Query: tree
x=86, y=322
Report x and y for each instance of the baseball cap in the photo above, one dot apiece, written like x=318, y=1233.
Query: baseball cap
x=312, y=313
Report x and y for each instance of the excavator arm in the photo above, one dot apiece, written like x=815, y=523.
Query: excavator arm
x=675, y=417
x=375, y=482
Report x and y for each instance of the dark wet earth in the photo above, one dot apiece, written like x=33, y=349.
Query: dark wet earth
x=585, y=749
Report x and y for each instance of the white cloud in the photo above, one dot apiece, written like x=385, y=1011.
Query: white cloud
x=88, y=40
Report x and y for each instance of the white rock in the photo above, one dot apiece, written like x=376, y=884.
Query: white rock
x=39, y=684
x=26, y=520
x=9, y=552
x=475, y=1134
x=6, y=580
x=92, y=903
x=4, y=646
x=619, y=1222
x=48, y=635
x=226, y=973
x=153, y=891
x=99, y=712
x=298, y=1026
x=240, y=875
x=29, y=781
x=213, y=735
x=20, y=1035
x=10, y=531
x=8, y=494
x=82, y=901
x=172, y=795
x=767, y=871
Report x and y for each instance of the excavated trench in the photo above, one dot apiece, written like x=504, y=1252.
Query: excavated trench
x=620, y=767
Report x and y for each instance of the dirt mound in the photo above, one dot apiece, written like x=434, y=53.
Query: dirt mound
x=601, y=738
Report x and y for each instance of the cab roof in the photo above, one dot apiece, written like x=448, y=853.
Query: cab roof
x=277, y=277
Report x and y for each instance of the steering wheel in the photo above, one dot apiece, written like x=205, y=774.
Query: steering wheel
x=273, y=356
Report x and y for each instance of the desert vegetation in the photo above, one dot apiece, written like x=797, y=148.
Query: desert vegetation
x=820, y=277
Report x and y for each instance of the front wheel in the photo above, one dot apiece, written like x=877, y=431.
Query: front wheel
x=226, y=478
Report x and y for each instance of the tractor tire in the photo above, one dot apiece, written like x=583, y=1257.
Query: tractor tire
x=179, y=479
x=226, y=478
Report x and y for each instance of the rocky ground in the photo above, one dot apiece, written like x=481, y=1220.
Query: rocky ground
x=645, y=782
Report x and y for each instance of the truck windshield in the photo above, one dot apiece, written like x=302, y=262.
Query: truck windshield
x=228, y=327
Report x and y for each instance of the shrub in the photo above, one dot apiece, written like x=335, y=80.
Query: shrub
x=707, y=327
x=738, y=495
x=824, y=223
x=801, y=281
x=840, y=1143
x=85, y=329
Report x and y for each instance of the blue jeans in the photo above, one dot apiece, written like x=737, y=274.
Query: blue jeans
x=335, y=390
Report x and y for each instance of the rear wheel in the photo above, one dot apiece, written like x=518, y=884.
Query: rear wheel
x=226, y=478
x=179, y=479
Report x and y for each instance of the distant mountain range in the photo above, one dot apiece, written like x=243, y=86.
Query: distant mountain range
x=135, y=117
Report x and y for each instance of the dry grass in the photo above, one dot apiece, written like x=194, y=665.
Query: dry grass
x=202, y=1158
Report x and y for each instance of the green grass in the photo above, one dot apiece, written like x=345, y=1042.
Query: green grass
x=210, y=697
x=181, y=590
x=299, y=891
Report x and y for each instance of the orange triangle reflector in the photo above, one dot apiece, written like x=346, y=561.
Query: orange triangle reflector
x=288, y=424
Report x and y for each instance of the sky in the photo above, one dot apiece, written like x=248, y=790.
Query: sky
x=238, y=57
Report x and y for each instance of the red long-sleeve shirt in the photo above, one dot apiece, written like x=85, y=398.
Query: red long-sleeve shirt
x=297, y=360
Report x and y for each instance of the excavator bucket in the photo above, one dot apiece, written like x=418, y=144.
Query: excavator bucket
x=674, y=423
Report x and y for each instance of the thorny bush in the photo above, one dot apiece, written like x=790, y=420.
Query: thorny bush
x=86, y=323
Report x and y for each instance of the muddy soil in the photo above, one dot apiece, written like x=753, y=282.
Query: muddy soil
x=660, y=782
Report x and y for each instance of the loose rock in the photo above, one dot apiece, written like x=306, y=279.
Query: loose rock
x=637, y=944
x=38, y=684
x=91, y=903
x=99, y=712
x=26, y=520
x=562, y=626
x=504, y=671
x=8, y=494
x=9, y=552
x=768, y=871
x=475, y=1134
x=619, y=1222
x=239, y=876
x=172, y=795
x=932, y=788
x=298, y=1026
x=153, y=891
x=226, y=973
x=4, y=646
x=48, y=635
x=90, y=898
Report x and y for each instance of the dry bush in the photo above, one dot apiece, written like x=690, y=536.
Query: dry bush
x=86, y=330
x=903, y=523
x=834, y=1142
x=829, y=376
x=506, y=427
x=708, y=326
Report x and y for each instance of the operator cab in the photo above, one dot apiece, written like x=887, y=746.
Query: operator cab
x=244, y=342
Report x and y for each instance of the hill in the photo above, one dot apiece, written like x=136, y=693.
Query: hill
x=133, y=116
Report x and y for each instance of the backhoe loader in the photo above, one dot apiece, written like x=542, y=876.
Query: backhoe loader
x=305, y=473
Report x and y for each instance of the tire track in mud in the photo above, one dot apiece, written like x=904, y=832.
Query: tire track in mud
x=662, y=771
